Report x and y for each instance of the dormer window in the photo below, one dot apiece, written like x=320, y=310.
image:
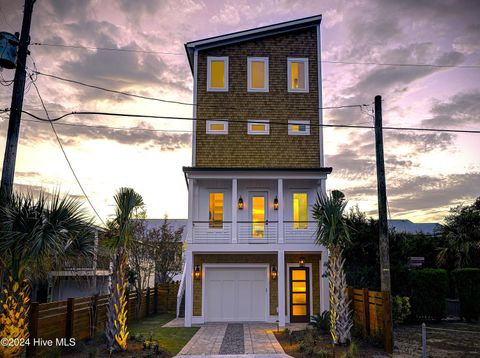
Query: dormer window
x=257, y=74
x=217, y=74
x=297, y=74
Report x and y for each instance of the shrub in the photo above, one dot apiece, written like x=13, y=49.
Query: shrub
x=401, y=309
x=467, y=283
x=321, y=353
x=321, y=322
x=428, y=292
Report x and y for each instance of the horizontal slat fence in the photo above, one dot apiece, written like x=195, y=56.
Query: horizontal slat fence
x=82, y=318
x=372, y=314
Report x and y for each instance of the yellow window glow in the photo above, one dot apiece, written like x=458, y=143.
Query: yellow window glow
x=298, y=75
x=217, y=127
x=216, y=210
x=299, y=287
x=259, y=127
x=257, y=73
x=299, y=275
x=217, y=74
x=299, y=298
x=300, y=211
x=258, y=216
x=299, y=310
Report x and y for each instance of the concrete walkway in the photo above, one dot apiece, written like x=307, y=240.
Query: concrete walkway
x=258, y=341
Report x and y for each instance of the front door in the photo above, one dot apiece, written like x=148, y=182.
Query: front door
x=258, y=214
x=299, y=294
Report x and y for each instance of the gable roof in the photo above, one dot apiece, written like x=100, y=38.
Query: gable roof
x=245, y=35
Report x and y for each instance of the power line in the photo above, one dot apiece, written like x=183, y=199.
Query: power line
x=113, y=114
x=160, y=99
x=108, y=49
x=368, y=63
x=63, y=151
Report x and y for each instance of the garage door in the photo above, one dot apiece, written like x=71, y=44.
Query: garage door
x=235, y=294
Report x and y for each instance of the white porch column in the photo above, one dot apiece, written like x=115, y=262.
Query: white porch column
x=191, y=191
x=324, y=290
x=234, y=210
x=188, y=288
x=281, y=278
x=280, y=229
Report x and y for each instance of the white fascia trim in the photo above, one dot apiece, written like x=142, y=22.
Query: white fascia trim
x=320, y=95
x=195, y=87
x=219, y=121
x=289, y=74
x=259, y=175
x=254, y=248
x=293, y=122
x=265, y=74
x=225, y=73
x=251, y=122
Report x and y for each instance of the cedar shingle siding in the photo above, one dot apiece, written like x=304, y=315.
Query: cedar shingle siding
x=278, y=149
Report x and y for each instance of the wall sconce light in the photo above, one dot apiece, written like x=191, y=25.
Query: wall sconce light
x=275, y=203
x=274, y=272
x=196, y=272
x=240, y=203
x=301, y=261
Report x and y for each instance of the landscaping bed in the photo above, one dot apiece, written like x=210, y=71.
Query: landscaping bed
x=144, y=336
x=311, y=343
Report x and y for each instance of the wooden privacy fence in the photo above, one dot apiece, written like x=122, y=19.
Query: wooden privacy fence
x=83, y=318
x=372, y=314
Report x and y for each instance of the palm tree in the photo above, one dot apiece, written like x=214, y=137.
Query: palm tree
x=120, y=231
x=333, y=233
x=36, y=232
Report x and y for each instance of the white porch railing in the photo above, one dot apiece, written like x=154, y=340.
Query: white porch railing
x=262, y=232
x=299, y=231
x=212, y=232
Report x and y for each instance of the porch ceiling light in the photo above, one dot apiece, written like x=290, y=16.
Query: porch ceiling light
x=196, y=272
x=301, y=261
x=274, y=272
x=240, y=203
x=275, y=203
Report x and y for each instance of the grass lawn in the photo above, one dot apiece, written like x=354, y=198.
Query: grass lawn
x=171, y=339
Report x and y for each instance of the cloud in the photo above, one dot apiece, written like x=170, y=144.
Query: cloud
x=459, y=110
x=468, y=42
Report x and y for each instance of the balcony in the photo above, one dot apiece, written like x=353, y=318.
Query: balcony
x=253, y=232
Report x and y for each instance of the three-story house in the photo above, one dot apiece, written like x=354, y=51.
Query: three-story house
x=256, y=169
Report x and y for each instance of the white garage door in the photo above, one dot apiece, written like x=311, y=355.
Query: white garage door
x=235, y=294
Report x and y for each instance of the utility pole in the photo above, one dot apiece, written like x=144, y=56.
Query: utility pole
x=10, y=157
x=382, y=200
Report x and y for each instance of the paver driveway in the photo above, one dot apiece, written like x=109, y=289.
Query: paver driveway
x=233, y=339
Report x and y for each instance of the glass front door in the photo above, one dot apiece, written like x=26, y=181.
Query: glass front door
x=299, y=294
x=258, y=215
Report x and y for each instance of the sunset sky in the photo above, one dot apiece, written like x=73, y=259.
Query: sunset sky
x=426, y=172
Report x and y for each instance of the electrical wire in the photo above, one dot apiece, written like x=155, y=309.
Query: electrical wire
x=368, y=63
x=65, y=154
x=133, y=115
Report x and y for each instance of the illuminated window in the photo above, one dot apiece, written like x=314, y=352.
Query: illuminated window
x=258, y=126
x=217, y=127
x=257, y=74
x=298, y=127
x=297, y=74
x=217, y=74
x=258, y=216
x=300, y=211
x=215, y=213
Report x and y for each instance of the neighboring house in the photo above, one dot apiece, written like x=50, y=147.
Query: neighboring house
x=410, y=227
x=80, y=280
x=251, y=252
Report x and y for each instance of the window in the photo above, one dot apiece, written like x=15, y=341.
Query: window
x=300, y=211
x=258, y=126
x=257, y=74
x=217, y=127
x=297, y=74
x=215, y=213
x=217, y=74
x=298, y=127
